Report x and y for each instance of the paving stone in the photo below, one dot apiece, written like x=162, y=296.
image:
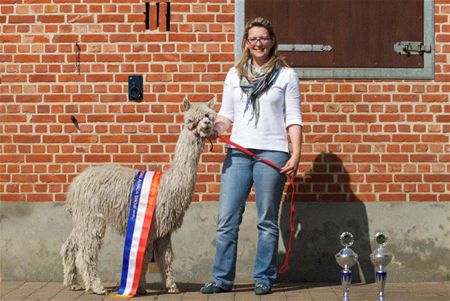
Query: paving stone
x=91, y=297
x=302, y=297
x=23, y=291
x=67, y=294
x=221, y=297
x=194, y=296
x=47, y=292
x=246, y=296
x=275, y=296
x=170, y=297
x=7, y=287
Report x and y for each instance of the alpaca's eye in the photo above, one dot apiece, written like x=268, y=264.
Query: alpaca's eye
x=207, y=116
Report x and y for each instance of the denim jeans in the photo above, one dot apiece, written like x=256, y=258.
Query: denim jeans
x=239, y=173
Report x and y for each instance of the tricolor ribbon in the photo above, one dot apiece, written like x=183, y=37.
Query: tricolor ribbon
x=142, y=208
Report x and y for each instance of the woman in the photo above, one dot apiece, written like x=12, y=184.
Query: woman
x=261, y=99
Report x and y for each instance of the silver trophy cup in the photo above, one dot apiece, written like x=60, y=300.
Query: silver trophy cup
x=346, y=258
x=380, y=259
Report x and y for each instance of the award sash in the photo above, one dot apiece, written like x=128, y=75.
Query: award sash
x=142, y=208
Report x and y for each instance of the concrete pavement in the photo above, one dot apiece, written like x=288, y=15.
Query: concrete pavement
x=418, y=291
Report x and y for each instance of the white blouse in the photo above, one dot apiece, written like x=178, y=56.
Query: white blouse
x=279, y=108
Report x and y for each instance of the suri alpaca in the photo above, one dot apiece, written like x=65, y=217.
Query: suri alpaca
x=100, y=196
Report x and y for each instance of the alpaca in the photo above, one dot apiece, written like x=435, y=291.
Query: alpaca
x=100, y=196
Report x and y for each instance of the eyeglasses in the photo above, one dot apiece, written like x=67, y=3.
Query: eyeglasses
x=264, y=40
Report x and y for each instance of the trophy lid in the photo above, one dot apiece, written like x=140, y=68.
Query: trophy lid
x=346, y=239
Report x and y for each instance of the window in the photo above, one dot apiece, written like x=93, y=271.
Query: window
x=349, y=38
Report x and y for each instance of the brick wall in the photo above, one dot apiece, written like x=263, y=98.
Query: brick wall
x=64, y=104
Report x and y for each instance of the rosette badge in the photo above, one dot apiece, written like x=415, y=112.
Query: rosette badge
x=346, y=258
x=347, y=239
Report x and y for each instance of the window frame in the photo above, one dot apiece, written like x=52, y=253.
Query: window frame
x=427, y=72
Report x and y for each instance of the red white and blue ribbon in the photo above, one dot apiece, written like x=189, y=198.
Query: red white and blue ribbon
x=142, y=208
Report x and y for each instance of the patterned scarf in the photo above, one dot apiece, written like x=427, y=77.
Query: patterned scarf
x=255, y=83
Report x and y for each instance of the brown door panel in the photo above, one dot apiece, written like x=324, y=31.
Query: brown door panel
x=361, y=32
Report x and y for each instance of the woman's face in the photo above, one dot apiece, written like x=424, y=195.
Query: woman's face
x=259, y=44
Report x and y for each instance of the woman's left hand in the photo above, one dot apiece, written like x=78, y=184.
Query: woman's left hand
x=291, y=166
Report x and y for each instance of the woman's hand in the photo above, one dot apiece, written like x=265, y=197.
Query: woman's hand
x=214, y=134
x=220, y=126
x=291, y=166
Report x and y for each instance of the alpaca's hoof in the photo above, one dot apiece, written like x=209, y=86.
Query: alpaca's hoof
x=75, y=287
x=99, y=291
x=141, y=291
x=173, y=290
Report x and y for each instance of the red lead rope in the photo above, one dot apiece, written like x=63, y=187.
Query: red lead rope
x=284, y=267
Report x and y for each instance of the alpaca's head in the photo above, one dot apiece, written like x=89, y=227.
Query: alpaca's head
x=199, y=118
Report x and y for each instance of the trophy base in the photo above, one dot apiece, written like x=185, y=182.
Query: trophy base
x=346, y=297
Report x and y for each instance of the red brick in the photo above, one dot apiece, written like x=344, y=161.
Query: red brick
x=13, y=118
x=79, y=138
x=394, y=158
x=26, y=139
x=98, y=158
x=51, y=18
x=23, y=178
x=13, y=197
x=115, y=38
x=138, y=58
x=391, y=197
x=114, y=139
x=422, y=197
x=126, y=158
x=445, y=178
x=383, y=178
x=89, y=38
x=435, y=138
x=99, y=77
x=69, y=38
x=21, y=19
x=115, y=18
x=423, y=158
x=80, y=19
x=408, y=178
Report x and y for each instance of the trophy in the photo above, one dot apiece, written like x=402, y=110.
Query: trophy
x=380, y=259
x=346, y=258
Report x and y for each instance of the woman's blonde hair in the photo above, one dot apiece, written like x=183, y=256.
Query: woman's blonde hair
x=274, y=56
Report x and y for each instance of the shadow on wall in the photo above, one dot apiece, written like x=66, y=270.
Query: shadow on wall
x=327, y=208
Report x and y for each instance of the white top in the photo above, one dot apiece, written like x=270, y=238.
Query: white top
x=279, y=108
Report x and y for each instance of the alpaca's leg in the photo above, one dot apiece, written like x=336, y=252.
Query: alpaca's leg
x=91, y=232
x=164, y=256
x=68, y=253
x=160, y=263
x=147, y=257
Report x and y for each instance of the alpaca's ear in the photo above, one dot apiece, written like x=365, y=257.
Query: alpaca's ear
x=186, y=104
x=212, y=102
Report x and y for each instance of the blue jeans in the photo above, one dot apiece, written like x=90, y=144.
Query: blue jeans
x=239, y=173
